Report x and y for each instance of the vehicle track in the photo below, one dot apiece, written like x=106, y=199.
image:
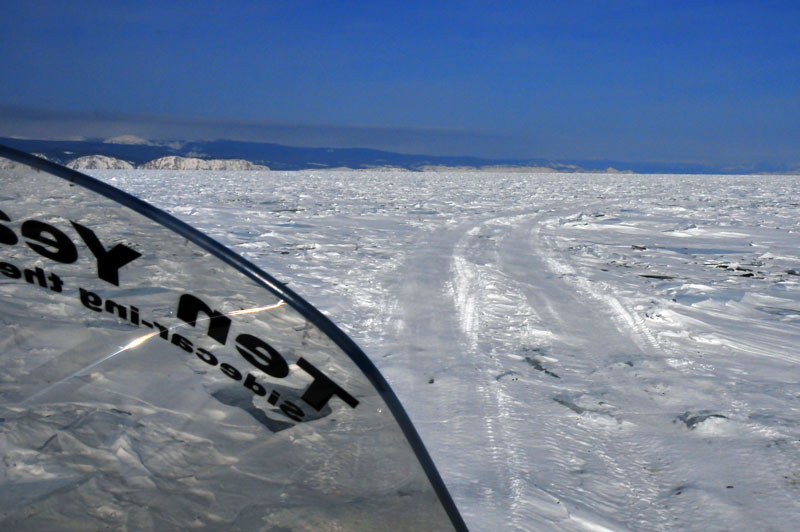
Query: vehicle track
x=492, y=306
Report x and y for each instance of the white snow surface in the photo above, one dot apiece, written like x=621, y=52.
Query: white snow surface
x=578, y=352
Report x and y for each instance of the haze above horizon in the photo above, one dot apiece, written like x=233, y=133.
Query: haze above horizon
x=711, y=82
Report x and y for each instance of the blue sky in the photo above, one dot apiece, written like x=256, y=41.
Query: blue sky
x=714, y=82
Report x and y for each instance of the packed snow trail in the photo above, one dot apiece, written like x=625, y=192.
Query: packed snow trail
x=518, y=329
x=577, y=352
x=590, y=375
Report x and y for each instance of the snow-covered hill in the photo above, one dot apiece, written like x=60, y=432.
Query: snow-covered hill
x=99, y=162
x=103, y=162
x=173, y=162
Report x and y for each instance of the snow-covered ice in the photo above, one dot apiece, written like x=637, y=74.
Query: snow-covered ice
x=578, y=352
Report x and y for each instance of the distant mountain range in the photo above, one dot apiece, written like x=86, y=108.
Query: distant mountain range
x=128, y=151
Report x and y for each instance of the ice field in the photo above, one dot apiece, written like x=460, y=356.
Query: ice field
x=578, y=352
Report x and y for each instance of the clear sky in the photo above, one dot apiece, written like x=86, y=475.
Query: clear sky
x=705, y=81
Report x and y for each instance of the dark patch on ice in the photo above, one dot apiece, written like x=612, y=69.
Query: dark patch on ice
x=639, y=248
x=430, y=381
x=678, y=491
x=654, y=276
x=705, y=251
x=52, y=444
x=297, y=247
x=731, y=267
x=780, y=443
x=793, y=272
x=538, y=366
x=792, y=480
x=507, y=373
x=118, y=411
x=619, y=264
x=692, y=421
x=569, y=404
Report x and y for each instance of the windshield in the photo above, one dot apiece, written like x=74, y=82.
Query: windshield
x=154, y=380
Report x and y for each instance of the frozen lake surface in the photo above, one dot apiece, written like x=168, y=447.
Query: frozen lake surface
x=578, y=352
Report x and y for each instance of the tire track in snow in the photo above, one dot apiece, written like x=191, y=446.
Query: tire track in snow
x=464, y=390
x=498, y=256
x=489, y=305
x=642, y=334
